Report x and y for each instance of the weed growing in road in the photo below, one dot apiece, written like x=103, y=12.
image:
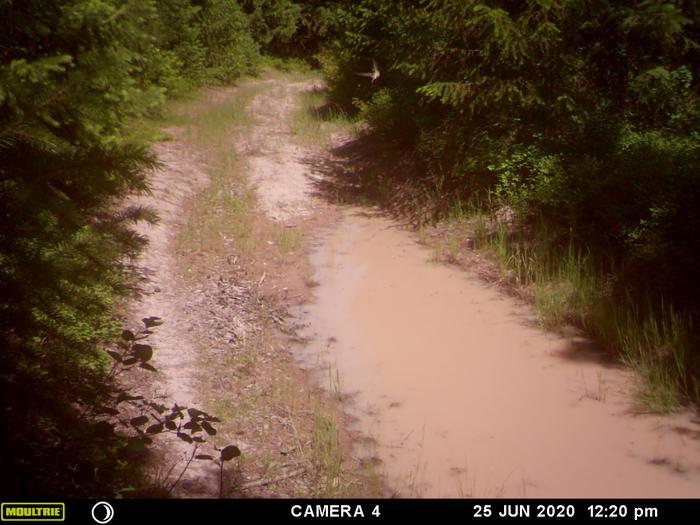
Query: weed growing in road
x=316, y=120
x=327, y=452
x=452, y=247
x=335, y=384
x=436, y=254
x=289, y=240
x=599, y=392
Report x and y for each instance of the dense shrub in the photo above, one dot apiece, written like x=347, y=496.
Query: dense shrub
x=75, y=78
x=582, y=113
x=230, y=47
x=583, y=119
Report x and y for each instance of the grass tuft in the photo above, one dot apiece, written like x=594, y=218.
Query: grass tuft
x=566, y=288
x=289, y=240
x=316, y=120
x=327, y=452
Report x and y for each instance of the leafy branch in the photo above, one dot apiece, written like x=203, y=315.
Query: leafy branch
x=189, y=424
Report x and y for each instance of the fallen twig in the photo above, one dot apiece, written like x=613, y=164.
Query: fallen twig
x=268, y=481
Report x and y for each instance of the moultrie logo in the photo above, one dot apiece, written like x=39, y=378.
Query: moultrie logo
x=33, y=512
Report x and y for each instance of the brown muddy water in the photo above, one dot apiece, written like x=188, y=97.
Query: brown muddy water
x=462, y=393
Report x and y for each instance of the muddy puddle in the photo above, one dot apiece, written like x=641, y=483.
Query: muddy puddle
x=461, y=392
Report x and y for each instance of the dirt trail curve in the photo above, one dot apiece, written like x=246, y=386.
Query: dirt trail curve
x=463, y=395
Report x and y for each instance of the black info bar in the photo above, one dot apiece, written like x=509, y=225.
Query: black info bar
x=195, y=511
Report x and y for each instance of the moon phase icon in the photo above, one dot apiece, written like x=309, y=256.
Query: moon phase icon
x=102, y=512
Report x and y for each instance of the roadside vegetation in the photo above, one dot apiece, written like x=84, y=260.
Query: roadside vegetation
x=317, y=120
x=567, y=134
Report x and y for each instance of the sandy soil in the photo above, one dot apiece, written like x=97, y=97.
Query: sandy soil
x=278, y=166
x=180, y=176
x=164, y=294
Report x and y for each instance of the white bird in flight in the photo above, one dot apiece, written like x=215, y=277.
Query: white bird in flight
x=374, y=74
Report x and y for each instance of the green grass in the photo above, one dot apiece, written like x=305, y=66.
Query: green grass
x=316, y=120
x=327, y=453
x=289, y=240
x=293, y=68
x=206, y=119
x=656, y=343
x=654, y=340
x=212, y=122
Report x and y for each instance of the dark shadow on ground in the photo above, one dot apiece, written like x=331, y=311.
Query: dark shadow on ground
x=581, y=349
x=375, y=177
x=368, y=172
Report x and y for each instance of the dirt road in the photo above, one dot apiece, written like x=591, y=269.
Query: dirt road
x=222, y=264
x=465, y=395
x=459, y=390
